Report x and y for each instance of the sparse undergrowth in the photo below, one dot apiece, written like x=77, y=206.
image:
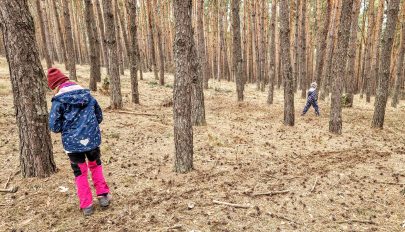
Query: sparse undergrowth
x=349, y=182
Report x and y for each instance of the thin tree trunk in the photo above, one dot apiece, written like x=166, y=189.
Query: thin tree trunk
x=384, y=70
x=376, y=50
x=286, y=63
x=400, y=58
x=44, y=34
x=115, y=85
x=322, y=42
x=102, y=35
x=70, y=49
x=95, y=73
x=159, y=42
x=27, y=77
x=151, y=40
x=272, y=42
x=183, y=46
x=201, y=43
x=134, y=50
x=327, y=65
x=237, y=52
x=339, y=65
x=118, y=38
x=297, y=41
x=351, y=56
x=59, y=31
x=369, y=47
x=303, y=52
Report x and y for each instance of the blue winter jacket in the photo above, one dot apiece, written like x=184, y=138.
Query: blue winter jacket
x=77, y=115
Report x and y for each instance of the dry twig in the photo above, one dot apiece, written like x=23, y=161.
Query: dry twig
x=270, y=193
x=283, y=218
x=313, y=187
x=358, y=221
x=9, y=190
x=231, y=204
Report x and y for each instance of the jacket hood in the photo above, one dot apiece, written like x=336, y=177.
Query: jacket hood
x=80, y=97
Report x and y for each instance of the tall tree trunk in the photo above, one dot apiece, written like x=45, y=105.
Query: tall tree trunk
x=272, y=42
x=297, y=41
x=201, y=43
x=115, y=85
x=183, y=46
x=376, y=50
x=120, y=49
x=27, y=77
x=159, y=42
x=339, y=65
x=384, y=70
x=351, y=56
x=263, y=46
x=327, y=65
x=59, y=31
x=151, y=40
x=101, y=28
x=400, y=59
x=44, y=34
x=134, y=50
x=322, y=42
x=70, y=49
x=286, y=63
x=369, y=47
x=95, y=73
x=303, y=52
x=237, y=52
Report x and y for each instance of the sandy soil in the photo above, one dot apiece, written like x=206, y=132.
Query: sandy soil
x=350, y=182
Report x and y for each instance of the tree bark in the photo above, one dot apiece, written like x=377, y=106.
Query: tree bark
x=115, y=85
x=351, y=56
x=70, y=49
x=339, y=65
x=322, y=42
x=376, y=50
x=27, y=76
x=134, y=50
x=384, y=70
x=159, y=42
x=272, y=42
x=201, y=43
x=183, y=46
x=94, y=45
x=237, y=52
x=400, y=64
x=296, y=50
x=369, y=47
x=327, y=65
x=152, y=40
x=44, y=34
x=303, y=52
x=286, y=63
x=100, y=23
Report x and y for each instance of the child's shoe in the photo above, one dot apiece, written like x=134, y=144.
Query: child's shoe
x=104, y=200
x=88, y=211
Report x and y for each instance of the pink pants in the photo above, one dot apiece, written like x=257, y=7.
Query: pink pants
x=80, y=169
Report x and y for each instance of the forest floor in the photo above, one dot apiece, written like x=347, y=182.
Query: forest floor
x=351, y=182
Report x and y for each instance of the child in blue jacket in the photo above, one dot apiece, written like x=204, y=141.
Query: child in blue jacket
x=312, y=100
x=77, y=115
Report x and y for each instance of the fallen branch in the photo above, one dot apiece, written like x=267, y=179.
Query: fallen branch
x=283, y=218
x=129, y=112
x=313, y=187
x=9, y=190
x=358, y=221
x=8, y=181
x=390, y=183
x=175, y=227
x=231, y=204
x=270, y=193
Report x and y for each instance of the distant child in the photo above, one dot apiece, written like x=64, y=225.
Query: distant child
x=77, y=115
x=312, y=100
